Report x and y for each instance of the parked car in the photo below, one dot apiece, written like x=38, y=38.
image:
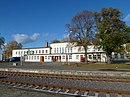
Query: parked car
x=13, y=59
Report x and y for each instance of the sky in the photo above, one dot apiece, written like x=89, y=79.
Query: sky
x=34, y=22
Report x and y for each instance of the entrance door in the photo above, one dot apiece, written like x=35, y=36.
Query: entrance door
x=82, y=59
x=41, y=58
x=66, y=58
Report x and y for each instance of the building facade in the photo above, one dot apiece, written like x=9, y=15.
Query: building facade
x=62, y=52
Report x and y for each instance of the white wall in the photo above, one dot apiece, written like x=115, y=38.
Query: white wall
x=59, y=49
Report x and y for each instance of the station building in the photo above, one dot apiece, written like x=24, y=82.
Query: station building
x=64, y=52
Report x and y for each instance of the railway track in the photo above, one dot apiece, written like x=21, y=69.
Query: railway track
x=63, y=76
x=63, y=89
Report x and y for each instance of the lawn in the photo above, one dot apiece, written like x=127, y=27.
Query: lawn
x=100, y=65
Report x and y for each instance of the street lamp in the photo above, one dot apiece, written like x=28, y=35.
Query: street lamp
x=21, y=59
x=23, y=56
x=69, y=47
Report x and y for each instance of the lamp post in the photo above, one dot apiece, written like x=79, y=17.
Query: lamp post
x=21, y=59
x=69, y=47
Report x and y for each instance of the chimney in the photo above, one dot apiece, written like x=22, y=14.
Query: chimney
x=46, y=44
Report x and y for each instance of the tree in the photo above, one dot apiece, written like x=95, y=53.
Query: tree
x=81, y=29
x=65, y=39
x=127, y=50
x=55, y=41
x=127, y=47
x=9, y=47
x=112, y=32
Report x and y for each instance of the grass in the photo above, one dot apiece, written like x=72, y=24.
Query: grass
x=100, y=65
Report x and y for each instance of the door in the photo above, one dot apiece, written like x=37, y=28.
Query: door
x=41, y=58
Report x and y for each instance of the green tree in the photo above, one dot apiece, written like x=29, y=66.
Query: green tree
x=9, y=47
x=127, y=47
x=55, y=41
x=112, y=32
x=127, y=50
x=81, y=29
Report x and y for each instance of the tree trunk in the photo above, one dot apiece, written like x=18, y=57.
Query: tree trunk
x=86, y=59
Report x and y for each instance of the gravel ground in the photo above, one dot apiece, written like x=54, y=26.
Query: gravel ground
x=54, y=66
x=75, y=83
x=12, y=92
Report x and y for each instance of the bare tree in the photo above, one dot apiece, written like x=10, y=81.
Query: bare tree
x=81, y=29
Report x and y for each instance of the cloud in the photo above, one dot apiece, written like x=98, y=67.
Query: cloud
x=34, y=36
x=127, y=18
x=45, y=34
x=24, y=38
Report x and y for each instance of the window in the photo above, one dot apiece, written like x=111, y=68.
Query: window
x=34, y=57
x=46, y=57
x=65, y=49
x=49, y=57
x=19, y=52
x=27, y=52
x=54, y=50
x=90, y=56
x=46, y=51
x=77, y=56
x=116, y=56
x=70, y=56
x=36, y=51
x=62, y=49
x=39, y=51
x=99, y=57
x=94, y=57
x=122, y=56
x=68, y=50
x=37, y=57
x=16, y=53
x=57, y=50
x=63, y=57
x=24, y=52
x=32, y=52
x=43, y=51
x=29, y=57
x=71, y=49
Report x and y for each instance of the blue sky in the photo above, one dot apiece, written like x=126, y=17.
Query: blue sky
x=34, y=22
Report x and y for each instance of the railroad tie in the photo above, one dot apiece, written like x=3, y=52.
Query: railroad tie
x=15, y=86
x=119, y=95
x=96, y=94
x=58, y=90
x=36, y=87
x=85, y=93
x=107, y=95
x=29, y=86
x=76, y=92
x=43, y=88
x=50, y=89
x=12, y=84
x=22, y=86
x=66, y=91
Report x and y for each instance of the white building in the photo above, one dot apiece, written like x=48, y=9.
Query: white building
x=60, y=52
x=65, y=52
